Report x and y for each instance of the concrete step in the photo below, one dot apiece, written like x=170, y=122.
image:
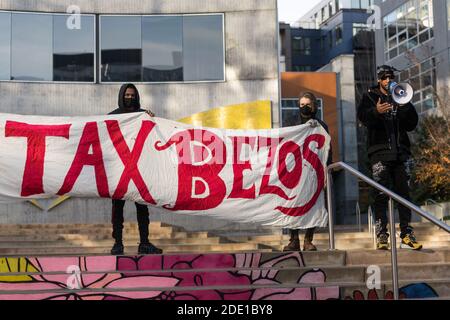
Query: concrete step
x=102, y=243
x=239, y=291
x=233, y=292
x=284, y=274
x=77, y=225
x=368, y=245
x=443, y=236
x=219, y=259
x=85, y=230
x=377, y=257
x=418, y=272
x=96, y=236
x=69, y=250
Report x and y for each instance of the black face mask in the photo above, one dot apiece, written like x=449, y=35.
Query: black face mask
x=306, y=111
x=130, y=103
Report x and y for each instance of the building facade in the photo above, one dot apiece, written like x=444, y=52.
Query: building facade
x=335, y=37
x=69, y=58
x=414, y=37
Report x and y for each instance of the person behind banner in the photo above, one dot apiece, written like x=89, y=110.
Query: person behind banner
x=389, y=153
x=308, y=111
x=129, y=101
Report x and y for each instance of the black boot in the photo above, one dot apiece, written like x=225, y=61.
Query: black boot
x=117, y=249
x=148, y=248
x=294, y=244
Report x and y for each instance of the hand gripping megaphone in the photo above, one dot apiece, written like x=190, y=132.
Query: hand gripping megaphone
x=402, y=93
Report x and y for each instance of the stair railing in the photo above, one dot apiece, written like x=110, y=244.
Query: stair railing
x=392, y=196
x=372, y=226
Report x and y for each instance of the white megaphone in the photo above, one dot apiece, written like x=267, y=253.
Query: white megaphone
x=402, y=93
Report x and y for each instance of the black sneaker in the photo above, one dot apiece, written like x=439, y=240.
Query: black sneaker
x=117, y=249
x=148, y=248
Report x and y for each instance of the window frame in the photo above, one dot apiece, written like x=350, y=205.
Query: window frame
x=162, y=15
x=51, y=81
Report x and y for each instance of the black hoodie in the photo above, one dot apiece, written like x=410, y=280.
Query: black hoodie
x=387, y=134
x=121, y=102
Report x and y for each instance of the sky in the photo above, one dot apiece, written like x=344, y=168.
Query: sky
x=291, y=10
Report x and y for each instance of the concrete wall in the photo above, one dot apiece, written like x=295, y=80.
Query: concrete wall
x=251, y=57
x=346, y=186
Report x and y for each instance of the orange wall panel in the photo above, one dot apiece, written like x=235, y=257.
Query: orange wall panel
x=323, y=85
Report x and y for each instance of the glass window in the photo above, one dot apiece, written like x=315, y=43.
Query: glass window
x=448, y=13
x=73, y=49
x=411, y=22
x=203, y=51
x=427, y=79
x=414, y=71
x=393, y=53
x=412, y=43
x=5, y=46
x=162, y=48
x=426, y=65
x=393, y=43
x=356, y=4
x=402, y=37
x=415, y=83
x=404, y=75
x=392, y=30
x=365, y=4
x=424, y=36
x=32, y=47
x=412, y=30
x=402, y=48
x=338, y=35
x=121, y=48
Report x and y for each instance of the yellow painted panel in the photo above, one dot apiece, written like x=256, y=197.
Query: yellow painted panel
x=16, y=265
x=251, y=115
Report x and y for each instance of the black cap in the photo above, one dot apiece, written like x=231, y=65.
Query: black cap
x=385, y=70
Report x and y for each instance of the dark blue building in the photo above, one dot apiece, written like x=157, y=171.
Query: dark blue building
x=312, y=48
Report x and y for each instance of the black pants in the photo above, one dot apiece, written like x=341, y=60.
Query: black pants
x=394, y=175
x=117, y=220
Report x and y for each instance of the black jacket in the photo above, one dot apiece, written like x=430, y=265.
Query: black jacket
x=121, y=104
x=387, y=138
x=324, y=125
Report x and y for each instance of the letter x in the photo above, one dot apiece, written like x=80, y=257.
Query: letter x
x=130, y=159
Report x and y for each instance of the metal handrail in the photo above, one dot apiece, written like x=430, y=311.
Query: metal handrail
x=392, y=196
x=433, y=202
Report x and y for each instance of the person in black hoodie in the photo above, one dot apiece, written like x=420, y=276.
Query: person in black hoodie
x=389, y=153
x=308, y=111
x=129, y=101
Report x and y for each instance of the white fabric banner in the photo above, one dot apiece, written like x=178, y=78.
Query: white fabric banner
x=269, y=177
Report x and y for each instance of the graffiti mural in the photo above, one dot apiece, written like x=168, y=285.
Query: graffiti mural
x=243, y=276
x=255, y=277
x=412, y=291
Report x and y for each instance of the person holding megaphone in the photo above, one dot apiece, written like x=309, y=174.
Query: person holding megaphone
x=387, y=112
